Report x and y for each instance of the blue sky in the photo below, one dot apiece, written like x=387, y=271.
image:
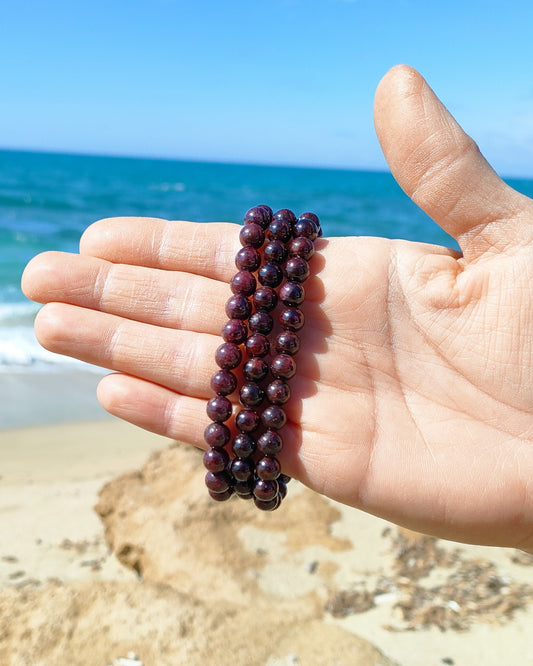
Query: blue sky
x=263, y=81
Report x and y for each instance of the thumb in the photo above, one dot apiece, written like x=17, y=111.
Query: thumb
x=441, y=169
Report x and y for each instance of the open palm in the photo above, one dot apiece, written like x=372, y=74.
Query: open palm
x=412, y=398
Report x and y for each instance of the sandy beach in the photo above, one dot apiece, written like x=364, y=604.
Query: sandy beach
x=109, y=546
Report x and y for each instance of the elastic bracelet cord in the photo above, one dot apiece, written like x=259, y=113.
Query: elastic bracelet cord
x=272, y=267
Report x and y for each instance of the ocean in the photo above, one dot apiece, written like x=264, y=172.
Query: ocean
x=47, y=200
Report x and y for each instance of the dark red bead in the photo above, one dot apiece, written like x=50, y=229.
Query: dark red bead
x=235, y=330
x=297, y=269
x=218, y=482
x=265, y=490
x=265, y=298
x=301, y=247
x=243, y=283
x=275, y=252
x=270, y=275
x=255, y=369
x=292, y=293
x=217, y=435
x=242, y=469
x=219, y=409
x=248, y=259
x=284, y=214
x=257, y=345
x=314, y=218
x=280, y=230
x=215, y=459
x=223, y=382
x=271, y=505
x=228, y=356
x=268, y=468
x=261, y=215
x=247, y=420
x=287, y=343
x=270, y=443
x=273, y=417
x=251, y=395
x=278, y=392
x=305, y=227
x=243, y=445
x=238, y=307
x=252, y=235
x=292, y=319
x=221, y=497
x=261, y=322
x=283, y=366
x=243, y=489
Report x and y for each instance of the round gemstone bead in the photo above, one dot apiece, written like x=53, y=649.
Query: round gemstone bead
x=314, y=218
x=238, y=307
x=217, y=435
x=243, y=283
x=305, y=227
x=275, y=252
x=270, y=275
x=271, y=505
x=265, y=490
x=218, y=482
x=268, y=468
x=273, y=417
x=243, y=445
x=221, y=497
x=284, y=214
x=292, y=294
x=248, y=259
x=265, y=298
x=270, y=443
x=223, y=382
x=261, y=322
x=252, y=235
x=261, y=215
x=279, y=229
x=251, y=395
x=278, y=392
x=287, y=343
x=241, y=469
x=297, y=269
x=219, y=409
x=247, y=420
x=301, y=247
x=255, y=369
x=215, y=459
x=292, y=319
x=228, y=356
x=283, y=366
x=243, y=489
x=234, y=330
x=257, y=345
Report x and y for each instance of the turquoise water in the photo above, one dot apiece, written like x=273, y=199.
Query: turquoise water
x=47, y=200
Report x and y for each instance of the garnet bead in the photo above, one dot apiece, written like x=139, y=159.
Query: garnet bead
x=280, y=230
x=257, y=345
x=243, y=283
x=275, y=252
x=221, y=497
x=268, y=468
x=234, y=330
x=301, y=247
x=252, y=235
x=248, y=259
x=218, y=482
x=297, y=269
x=261, y=215
x=270, y=275
x=217, y=435
x=242, y=469
x=305, y=227
x=238, y=307
x=223, y=382
x=283, y=366
x=274, y=417
x=243, y=445
x=261, y=322
x=284, y=214
x=228, y=356
x=278, y=392
x=243, y=489
x=270, y=443
x=216, y=459
x=292, y=293
x=287, y=343
x=271, y=505
x=292, y=319
x=247, y=420
x=314, y=218
x=265, y=298
x=255, y=369
x=251, y=395
x=265, y=490
x=219, y=409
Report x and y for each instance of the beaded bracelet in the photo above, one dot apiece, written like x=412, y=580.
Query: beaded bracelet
x=275, y=252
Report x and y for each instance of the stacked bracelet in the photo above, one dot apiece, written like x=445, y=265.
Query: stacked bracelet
x=272, y=267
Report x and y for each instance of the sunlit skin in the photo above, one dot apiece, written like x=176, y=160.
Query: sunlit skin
x=413, y=394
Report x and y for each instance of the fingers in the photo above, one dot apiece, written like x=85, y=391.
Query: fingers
x=203, y=249
x=179, y=360
x=171, y=299
x=441, y=168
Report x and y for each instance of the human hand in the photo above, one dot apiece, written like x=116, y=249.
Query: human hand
x=413, y=396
